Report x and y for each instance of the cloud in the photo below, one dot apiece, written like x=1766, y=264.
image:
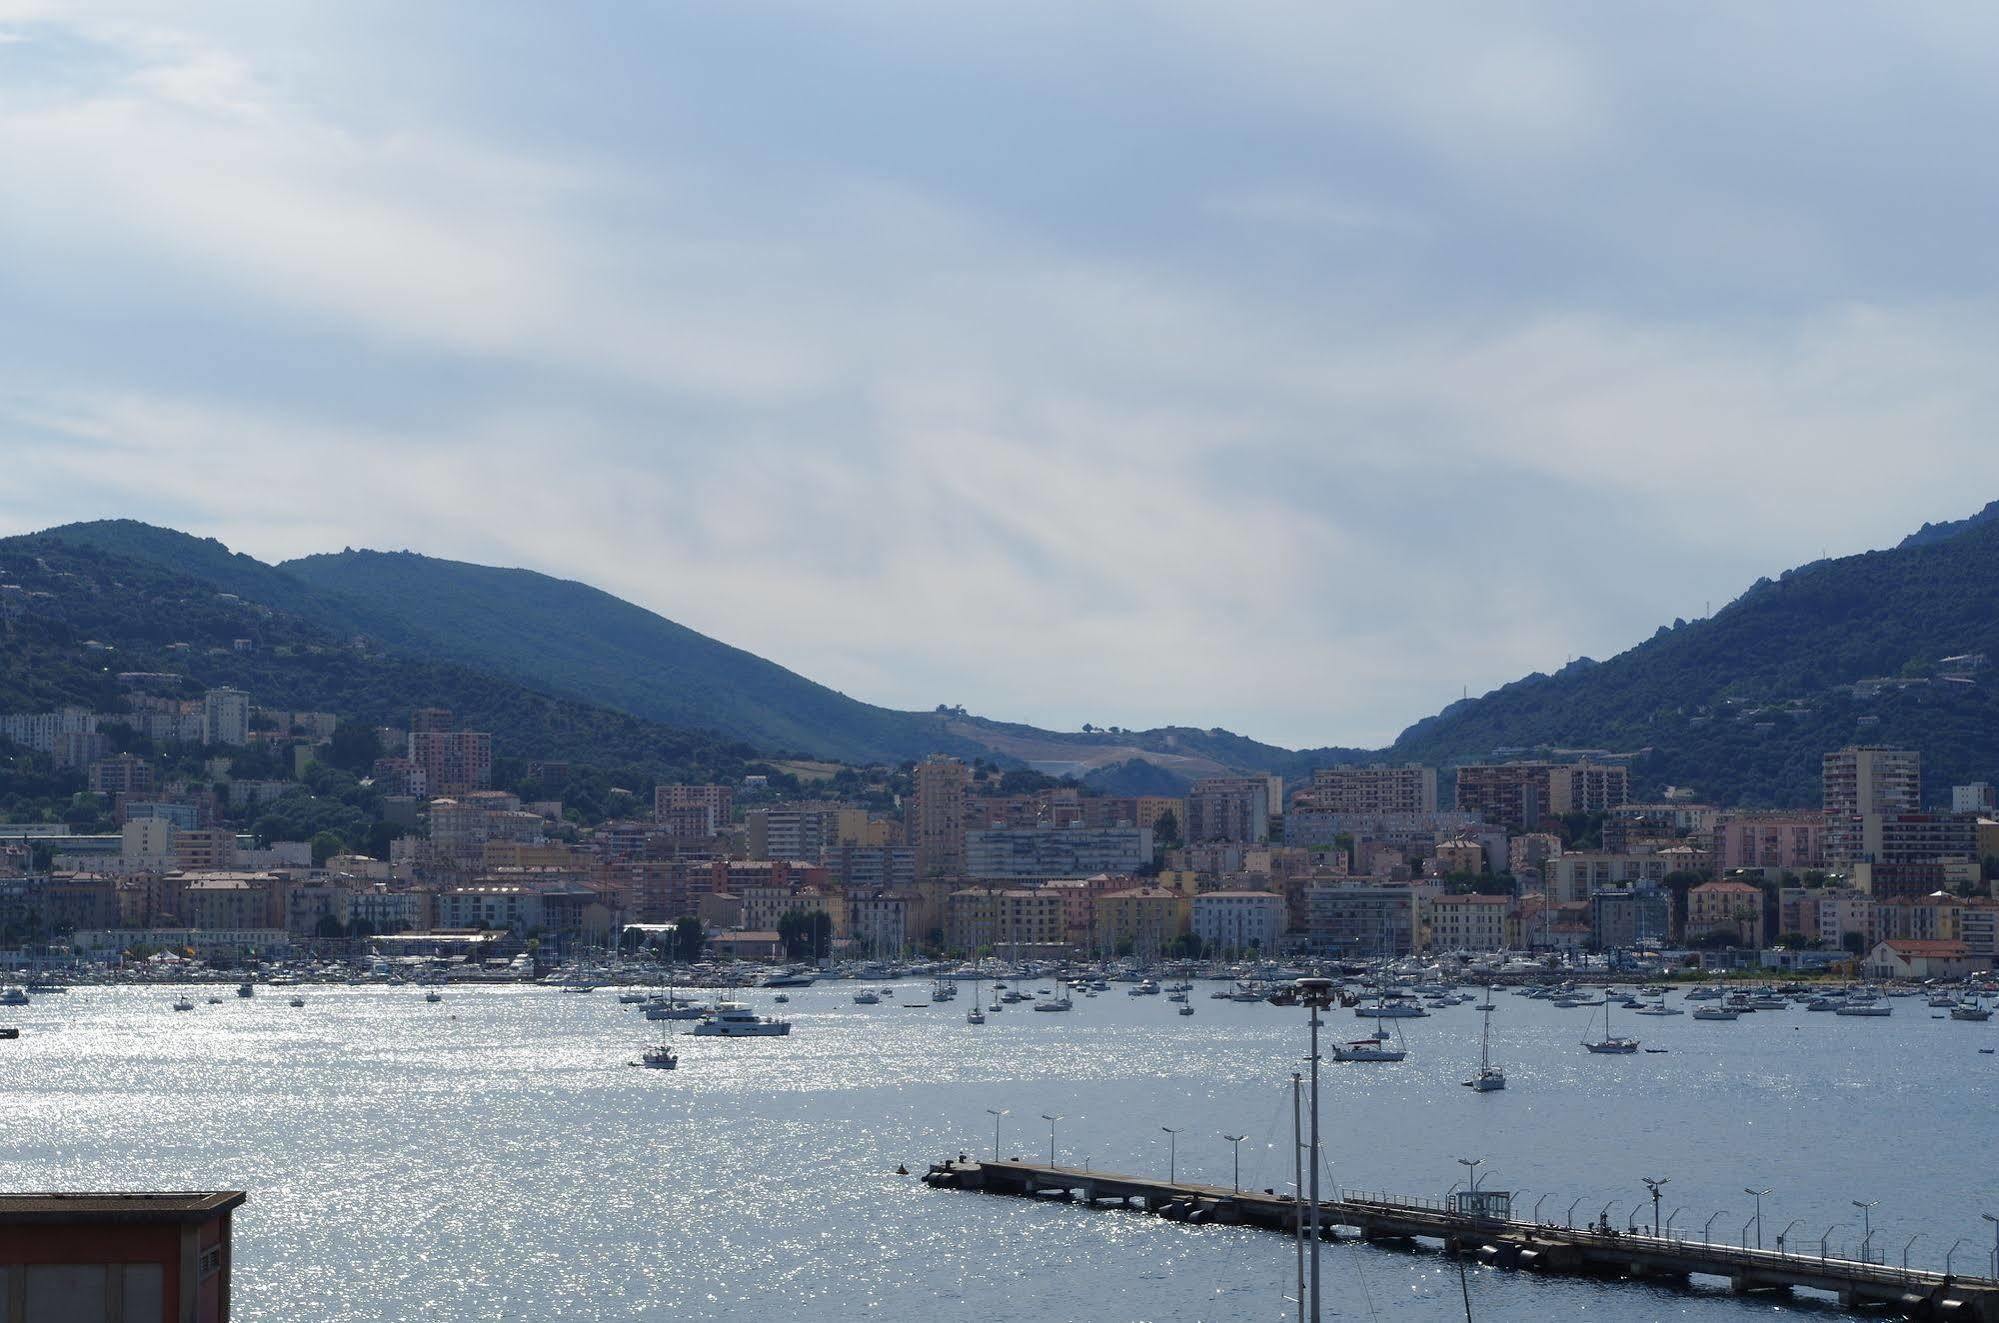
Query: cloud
x=1288, y=370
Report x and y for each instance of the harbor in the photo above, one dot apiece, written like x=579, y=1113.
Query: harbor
x=429, y=1142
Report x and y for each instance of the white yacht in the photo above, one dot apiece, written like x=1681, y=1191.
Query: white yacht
x=1061, y=1003
x=732, y=1019
x=867, y=997
x=184, y=1004
x=13, y=997
x=1717, y=1013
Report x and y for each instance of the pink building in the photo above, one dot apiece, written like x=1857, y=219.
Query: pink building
x=1770, y=840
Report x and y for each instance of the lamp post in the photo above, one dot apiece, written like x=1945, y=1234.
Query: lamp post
x=1867, y=1222
x=1317, y=994
x=1905, y=1250
x=1758, y=1196
x=1172, y=1152
x=1670, y=1216
x=1951, y=1253
x=996, y=1113
x=1537, y=1207
x=1051, y=1118
x=1785, y=1232
x=1603, y=1216
x=1236, y=1140
x=1569, y=1218
x=1709, y=1225
x=1995, y=1242
x=1653, y=1184
x=1742, y=1237
x=1827, y=1236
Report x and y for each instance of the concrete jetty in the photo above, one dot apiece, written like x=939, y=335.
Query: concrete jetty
x=1503, y=1242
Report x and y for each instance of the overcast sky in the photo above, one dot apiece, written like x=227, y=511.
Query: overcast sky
x=1284, y=367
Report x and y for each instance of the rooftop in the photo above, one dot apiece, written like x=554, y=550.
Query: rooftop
x=177, y=1206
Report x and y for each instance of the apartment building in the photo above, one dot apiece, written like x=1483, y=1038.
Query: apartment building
x=1467, y=922
x=935, y=826
x=1792, y=842
x=454, y=762
x=1861, y=782
x=1144, y=920
x=1372, y=789
x=1040, y=854
x=1731, y=909
x=698, y=810
x=1365, y=921
x=1232, y=809
x=1027, y=921
x=1232, y=921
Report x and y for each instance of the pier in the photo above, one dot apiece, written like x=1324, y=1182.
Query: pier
x=1501, y=1242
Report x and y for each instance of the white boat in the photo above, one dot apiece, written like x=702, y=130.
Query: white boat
x=732, y=1019
x=1490, y=1078
x=865, y=997
x=184, y=1004
x=1866, y=1008
x=1610, y=1045
x=13, y=997
x=1391, y=1009
x=1368, y=1049
x=1716, y=1013
x=1971, y=1010
x=1061, y=1003
x=246, y=989
x=298, y=1001
x=1185, y=1009
x=975, y=1015
x=659, y=1058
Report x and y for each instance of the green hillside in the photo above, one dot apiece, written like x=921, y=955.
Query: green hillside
x=1741, y=705
x=574, y=639
x=97, y=613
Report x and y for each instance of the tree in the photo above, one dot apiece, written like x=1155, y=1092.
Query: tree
x=1855, y=943
x=330, y=929
x=325, y=845
x=353, y=748
x=688, y=938
x=1166, y=829
x=806, y=934
x=1188, y=946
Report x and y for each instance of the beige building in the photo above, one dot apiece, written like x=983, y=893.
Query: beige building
x=1008, y=921
x=1468, y=922
x=1378, y=789
x=1734, y=909
x=1149, y=918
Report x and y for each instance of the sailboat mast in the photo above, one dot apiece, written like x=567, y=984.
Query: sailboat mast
x=1298, y=1184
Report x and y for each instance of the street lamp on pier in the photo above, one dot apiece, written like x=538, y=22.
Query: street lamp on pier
x=1950, y=1254
x=1758, y=1196
x=1905, y=1250
x=1172, y=1153
x=1867, y=1222
x=1537, y=1208
x=1051, y=1118
x=1708, y=1225
x=1653, y=1184
x=1785, y=1232
x=996, y=1113
x=1827, y=1236
x=1670, y=1216
x=1317, y=995
x=1236, y=1140
x=1569, y=1218
x=1995, y=1242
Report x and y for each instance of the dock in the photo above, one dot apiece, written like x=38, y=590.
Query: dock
x=1502, y=1242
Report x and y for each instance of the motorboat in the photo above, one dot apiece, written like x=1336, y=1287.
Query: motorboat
x=8, y=1031
x=1391, y=1009
x=1716, y=1013
x=1369, y=1049
x=867, y=997
x=732, y=1019
x=433, y=995
x=1061, y=1003
x=1872, y=1009
x=184, y=1004
x=246, y=989
x=297, y=1002
x=1185, y=1009
x=13, y=997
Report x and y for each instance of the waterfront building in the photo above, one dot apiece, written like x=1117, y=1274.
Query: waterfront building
x=1010, y=921
x=1907, y=959
x=1629, y=917
x=1731, y=909
x=1236, y=921
x=1364, y=920
x=1574, y=875
x=1467, y=922
x=1143, y=920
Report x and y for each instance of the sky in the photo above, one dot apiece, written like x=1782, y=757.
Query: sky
x=1287, y=367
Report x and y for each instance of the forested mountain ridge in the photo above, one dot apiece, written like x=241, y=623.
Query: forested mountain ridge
x=1741, y=705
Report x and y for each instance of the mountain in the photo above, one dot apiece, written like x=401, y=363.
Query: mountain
x=574, y=642
x=1741, y=705
x=87, y=614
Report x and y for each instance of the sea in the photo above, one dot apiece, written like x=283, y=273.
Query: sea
x=497, y=1155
